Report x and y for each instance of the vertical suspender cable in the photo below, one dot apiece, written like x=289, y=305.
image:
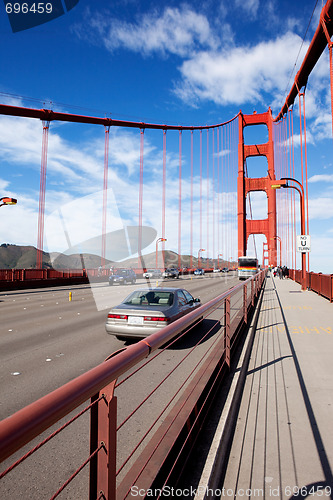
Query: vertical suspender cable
x=229, y=192
x=191, y=231
x=224, y=194
x=163, y=195
x=287, y=245
x=207, y=252
x=140, y=262
x=293, y=176
x=306, y=178
x=218, y=192
x=200, y=189
x=235, y=170
x=213, y=194
x=291, y=198
x=180, y=200
x=42, y=186
x=330, y=45
x=105, y=191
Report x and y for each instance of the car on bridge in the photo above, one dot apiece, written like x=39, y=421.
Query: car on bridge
x=152, y=273
x=199, y=272
x=171, y=272
x=147, y=310
x=122, y=277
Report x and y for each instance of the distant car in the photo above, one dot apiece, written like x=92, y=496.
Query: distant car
x=171, y=272
x=199, y=271
x=122, y=277
x=145, y=311
x=152, y=273
x=216, y=270
x=225, y=270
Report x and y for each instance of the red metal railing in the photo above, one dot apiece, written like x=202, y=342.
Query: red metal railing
x=156, y=413
x=38, y=274
x=317, y=282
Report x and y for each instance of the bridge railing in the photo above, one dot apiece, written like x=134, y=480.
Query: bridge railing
x=141, y=425
x=317, y=282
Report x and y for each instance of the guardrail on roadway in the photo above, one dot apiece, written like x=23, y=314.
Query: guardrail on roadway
x=165, y=438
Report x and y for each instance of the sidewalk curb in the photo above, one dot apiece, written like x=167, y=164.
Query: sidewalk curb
x=214, y=470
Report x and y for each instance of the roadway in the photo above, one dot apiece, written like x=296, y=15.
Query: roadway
x=47, y=340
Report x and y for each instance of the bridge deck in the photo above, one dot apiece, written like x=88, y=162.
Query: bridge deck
x=283, y=439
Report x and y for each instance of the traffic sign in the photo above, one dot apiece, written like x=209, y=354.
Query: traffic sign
x=303, y=243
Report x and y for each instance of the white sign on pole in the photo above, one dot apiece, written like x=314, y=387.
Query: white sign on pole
x=303, y=243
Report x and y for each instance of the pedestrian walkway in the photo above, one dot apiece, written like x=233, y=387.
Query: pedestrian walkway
x=283, y=442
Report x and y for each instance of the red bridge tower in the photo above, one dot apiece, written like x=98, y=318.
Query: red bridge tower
x=246, y=184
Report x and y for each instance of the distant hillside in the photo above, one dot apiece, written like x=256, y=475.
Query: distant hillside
x=20, y=257
x=24, y=257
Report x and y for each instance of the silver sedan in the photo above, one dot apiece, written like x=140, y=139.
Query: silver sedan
x=145, y=311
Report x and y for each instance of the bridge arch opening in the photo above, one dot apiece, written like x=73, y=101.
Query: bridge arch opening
x=255, y=134
x=255, y=244
x=256, y=166
x=256, y=205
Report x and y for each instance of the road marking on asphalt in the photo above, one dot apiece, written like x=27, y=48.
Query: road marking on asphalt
x=314, y=329
x=298, y=329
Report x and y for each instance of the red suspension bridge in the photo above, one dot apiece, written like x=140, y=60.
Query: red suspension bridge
x=213, y=215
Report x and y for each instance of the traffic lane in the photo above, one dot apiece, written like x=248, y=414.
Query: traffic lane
x=73, y=446
x=38, y=358
x=165, y=369
x=26, y=316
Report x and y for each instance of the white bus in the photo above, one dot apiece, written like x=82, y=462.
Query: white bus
x=247, y=267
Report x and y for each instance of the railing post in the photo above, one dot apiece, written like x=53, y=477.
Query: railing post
x=252, y=291
x=104, y=432
x=245, y=303
x=227, y=329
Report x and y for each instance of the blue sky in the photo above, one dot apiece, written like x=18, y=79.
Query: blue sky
x=162, y=62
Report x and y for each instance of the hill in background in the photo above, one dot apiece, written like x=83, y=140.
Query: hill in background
x=24, y=257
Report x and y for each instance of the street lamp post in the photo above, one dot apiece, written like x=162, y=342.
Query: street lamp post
x=157, y=242
x=283, y=182
x=218, y=260
x=199, y=256
x=7, y=201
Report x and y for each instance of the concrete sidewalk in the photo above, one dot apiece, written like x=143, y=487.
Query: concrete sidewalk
x=283, y=442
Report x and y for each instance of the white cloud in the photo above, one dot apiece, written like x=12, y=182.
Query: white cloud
x=321, y=178
x=241, y=74
x=3, y=186
x=321, y=208
x=176, y=31
x=249, y=6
